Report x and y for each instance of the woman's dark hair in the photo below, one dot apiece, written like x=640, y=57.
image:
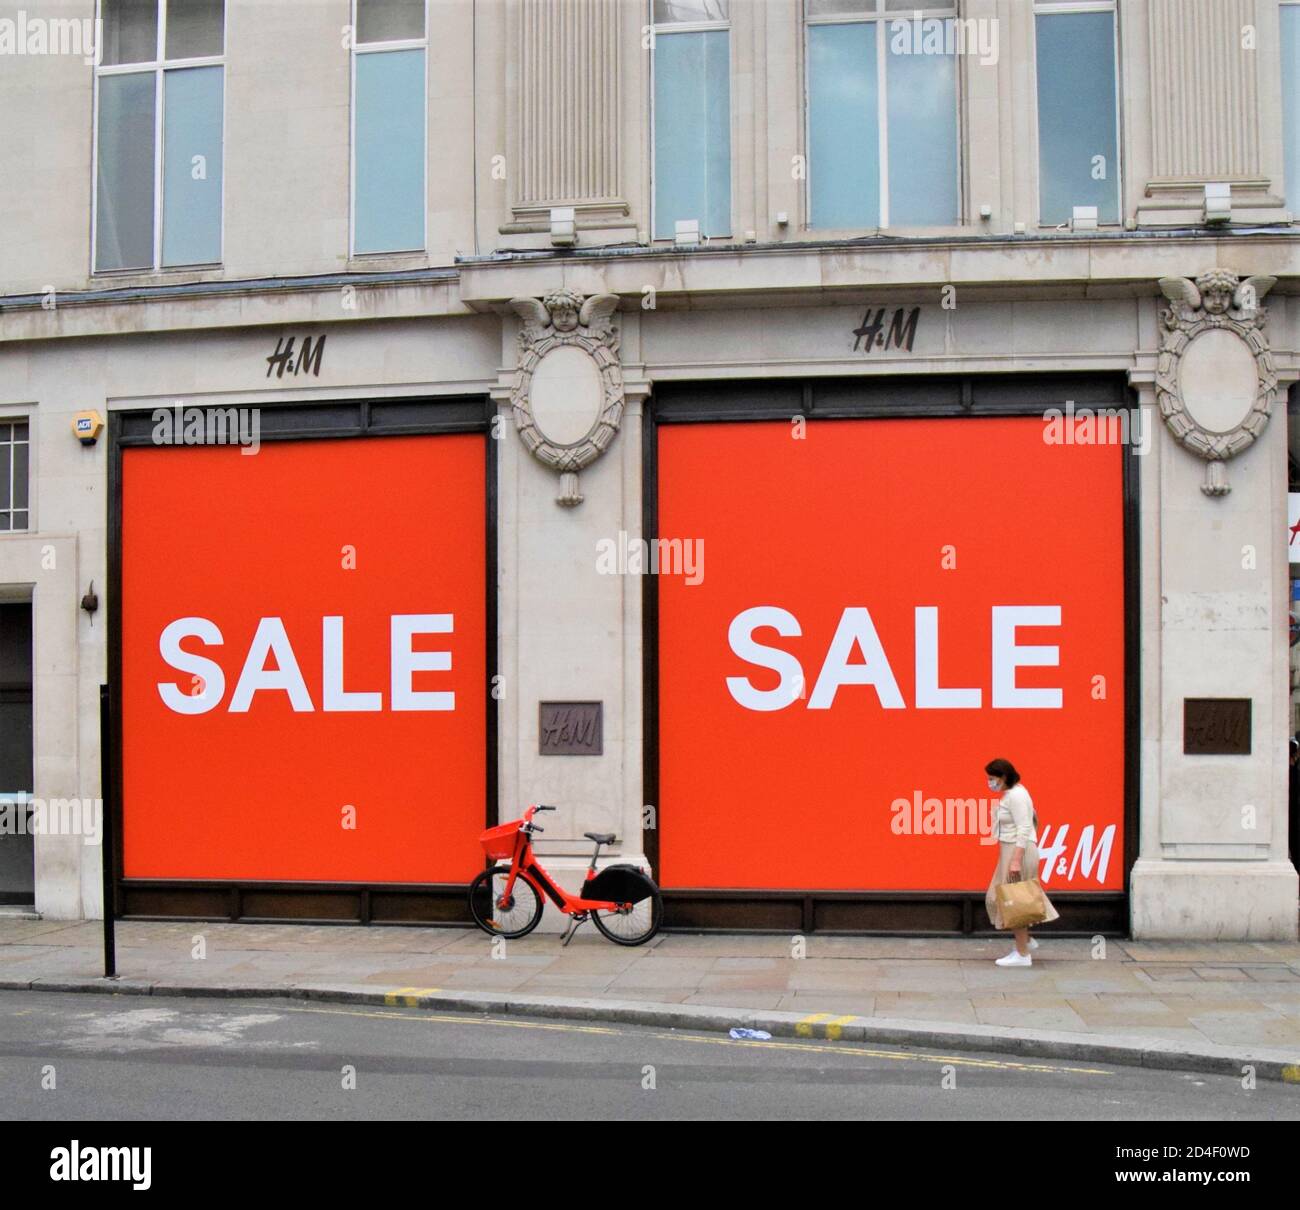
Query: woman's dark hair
x=1003, y=769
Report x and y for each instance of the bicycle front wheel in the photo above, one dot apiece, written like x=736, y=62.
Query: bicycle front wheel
x=498, y=915
x=635, y=924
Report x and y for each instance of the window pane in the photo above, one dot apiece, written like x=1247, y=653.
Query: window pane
x=20, y=430
x=1290, y=15
x=20, y=476
x=195, y=28
x=389, y=20
x=843, y=134
x=671, y=12
x=827, y=8
x=922, y=91
x=192, y=165
x=1077, y=152
x=6, y=469
x=20, y=520
x=692, y=119
x=389, y=152
x=130, y=31
x=124, y=185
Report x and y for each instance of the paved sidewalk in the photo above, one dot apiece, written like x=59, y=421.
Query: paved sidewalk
x=1199, y=1005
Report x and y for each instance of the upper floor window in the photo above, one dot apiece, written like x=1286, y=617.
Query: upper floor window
x=692, y=116
x=159, y=134
x=14, y=447
x=882, y=113
x=1290, y=20
x=1078, y=110
x=388, y=126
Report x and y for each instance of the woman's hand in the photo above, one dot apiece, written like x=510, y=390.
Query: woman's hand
x=1013, y=870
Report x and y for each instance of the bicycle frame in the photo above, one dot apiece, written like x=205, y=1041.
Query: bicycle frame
x=525, y=863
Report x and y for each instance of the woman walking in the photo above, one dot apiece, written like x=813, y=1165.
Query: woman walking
x=1015, y=825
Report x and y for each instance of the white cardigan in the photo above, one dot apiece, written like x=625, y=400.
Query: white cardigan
x=1016, y=818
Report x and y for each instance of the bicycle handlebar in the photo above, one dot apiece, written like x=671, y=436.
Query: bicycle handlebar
x=528, y=825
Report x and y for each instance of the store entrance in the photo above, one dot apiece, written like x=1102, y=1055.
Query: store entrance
x=17, y=868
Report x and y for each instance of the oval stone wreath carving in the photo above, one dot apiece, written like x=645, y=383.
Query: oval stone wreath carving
x=563, y=319
x=1216, y=301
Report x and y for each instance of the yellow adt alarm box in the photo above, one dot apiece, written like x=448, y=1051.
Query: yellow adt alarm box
x=87, y=426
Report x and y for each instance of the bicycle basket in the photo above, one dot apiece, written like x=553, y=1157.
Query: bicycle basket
x=499, y=843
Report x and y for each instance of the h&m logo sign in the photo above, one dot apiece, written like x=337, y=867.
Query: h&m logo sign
x=872, y=334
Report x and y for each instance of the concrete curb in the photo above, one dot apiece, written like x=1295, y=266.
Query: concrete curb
x=1277, y=1065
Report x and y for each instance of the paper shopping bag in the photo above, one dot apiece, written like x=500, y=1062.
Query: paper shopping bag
x=1021, y=903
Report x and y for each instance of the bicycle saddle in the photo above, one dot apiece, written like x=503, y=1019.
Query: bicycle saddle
x=600, y=837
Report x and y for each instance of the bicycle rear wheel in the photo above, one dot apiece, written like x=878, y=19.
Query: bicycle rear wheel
x=636, y=924
x=515, y=917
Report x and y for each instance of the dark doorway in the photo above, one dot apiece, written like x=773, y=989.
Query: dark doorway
x=17, y=869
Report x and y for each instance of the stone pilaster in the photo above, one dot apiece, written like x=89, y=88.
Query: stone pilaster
x=565, y=114
x=1212, y=858
x=1205, y=112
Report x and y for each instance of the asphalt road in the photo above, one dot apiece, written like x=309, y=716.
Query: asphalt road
x=129, y=1058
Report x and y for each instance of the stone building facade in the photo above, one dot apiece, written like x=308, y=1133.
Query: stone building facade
x=615, y=271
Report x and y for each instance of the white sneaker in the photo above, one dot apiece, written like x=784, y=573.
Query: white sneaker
x=1033, y=945
x=1015, y=958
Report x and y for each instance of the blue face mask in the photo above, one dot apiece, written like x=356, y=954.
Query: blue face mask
x=994, y=784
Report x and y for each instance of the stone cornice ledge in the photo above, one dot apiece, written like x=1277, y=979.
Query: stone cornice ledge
x=162, y=306
x=1118, y=264
x=1098, y=265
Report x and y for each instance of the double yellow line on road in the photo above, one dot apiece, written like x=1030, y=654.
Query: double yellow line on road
x=831, y=1029
x=409, y=996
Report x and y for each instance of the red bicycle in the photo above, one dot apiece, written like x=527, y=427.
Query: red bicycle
x=506, y=900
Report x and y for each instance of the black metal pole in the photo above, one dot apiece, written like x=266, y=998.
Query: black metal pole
x=106, y=829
